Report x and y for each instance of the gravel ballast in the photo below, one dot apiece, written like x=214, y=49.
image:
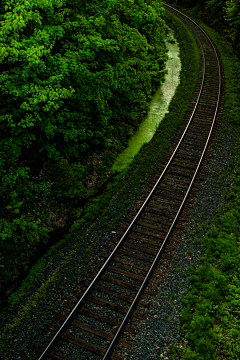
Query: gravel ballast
x=161, y=330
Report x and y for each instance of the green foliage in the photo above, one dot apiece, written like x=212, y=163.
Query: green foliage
x=211, y=289
x=222, y=15
x=16, y=191
x=232, y=16
x=180, y=268
x=67, y=180
x=17, y=231
x=108, y=158
x=75, y=77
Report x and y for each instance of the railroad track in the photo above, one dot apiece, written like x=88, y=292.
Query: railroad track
x=99, y=321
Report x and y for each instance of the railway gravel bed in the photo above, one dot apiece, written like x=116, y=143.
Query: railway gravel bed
x=162, y=328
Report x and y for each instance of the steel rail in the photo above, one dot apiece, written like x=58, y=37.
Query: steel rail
x=104, y=266
x=143, y=285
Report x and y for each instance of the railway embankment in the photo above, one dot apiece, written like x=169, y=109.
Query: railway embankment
x=203, y=323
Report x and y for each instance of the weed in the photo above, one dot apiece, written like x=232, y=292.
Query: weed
x=180, y=268
x=196, y=240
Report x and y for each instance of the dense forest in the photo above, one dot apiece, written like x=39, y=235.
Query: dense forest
x=222, y=15
x=76, y=80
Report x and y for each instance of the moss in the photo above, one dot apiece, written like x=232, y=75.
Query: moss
x=180, y=268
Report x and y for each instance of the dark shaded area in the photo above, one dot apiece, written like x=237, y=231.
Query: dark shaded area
x=55, y=236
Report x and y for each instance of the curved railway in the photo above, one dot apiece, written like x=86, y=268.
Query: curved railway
x=112, y=297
